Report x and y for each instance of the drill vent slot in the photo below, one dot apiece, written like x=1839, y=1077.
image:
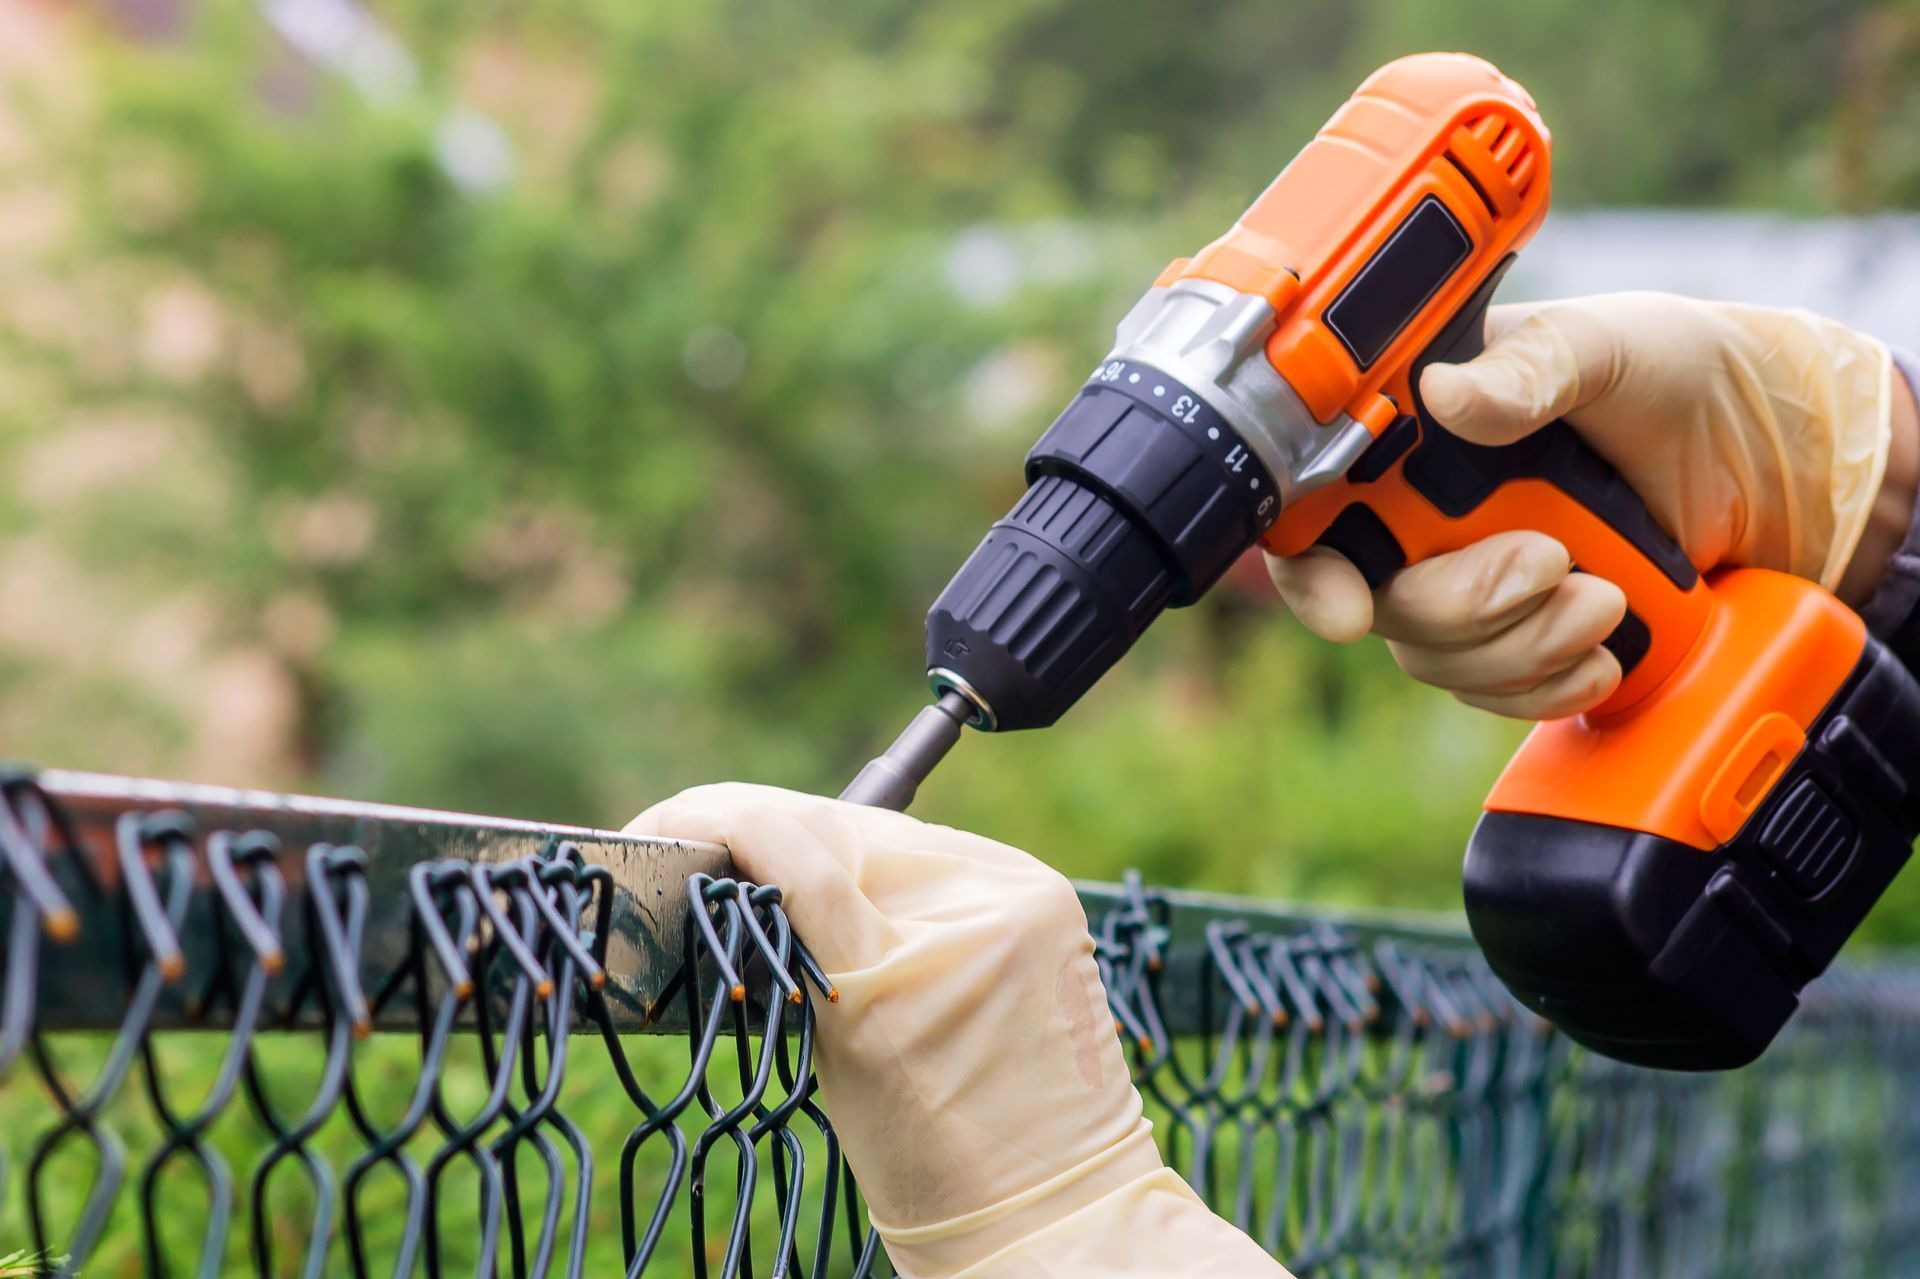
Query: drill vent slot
x=1507, y=144
x=1492, y=152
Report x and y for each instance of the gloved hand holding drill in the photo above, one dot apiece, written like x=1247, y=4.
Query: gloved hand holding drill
x=1756, y=436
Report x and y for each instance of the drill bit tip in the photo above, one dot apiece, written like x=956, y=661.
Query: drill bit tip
x=891, y=779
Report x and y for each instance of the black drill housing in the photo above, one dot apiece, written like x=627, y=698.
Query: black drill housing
x=1139, y=497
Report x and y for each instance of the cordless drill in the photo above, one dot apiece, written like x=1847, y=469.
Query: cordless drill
x=1659, y=877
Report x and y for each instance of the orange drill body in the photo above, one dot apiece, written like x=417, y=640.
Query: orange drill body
x=1437, y=126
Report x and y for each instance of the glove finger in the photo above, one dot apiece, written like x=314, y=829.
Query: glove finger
x=1529, y=374
x=1463, y=598
x=1325, y=591
x=1572, y=619
x=800, y=842
x=1580, y=687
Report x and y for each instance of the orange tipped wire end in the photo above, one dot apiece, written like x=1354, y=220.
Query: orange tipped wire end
x=544, y=990
x=273, y=961
x=63, y=925
x=739, y=994
x=1280, y=1019
x=1146, y=1043
x=1155, y=963
x=796, y=997
x=833, y=994
x=599, y=981
x=463, y=991
x=172, y=967
x=362, y=1028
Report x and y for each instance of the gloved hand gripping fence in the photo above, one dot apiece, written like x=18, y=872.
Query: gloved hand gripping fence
x=409, y=1062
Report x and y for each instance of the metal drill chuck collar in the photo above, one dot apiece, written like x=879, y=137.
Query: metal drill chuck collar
x=981, y=716
x=1140, y=496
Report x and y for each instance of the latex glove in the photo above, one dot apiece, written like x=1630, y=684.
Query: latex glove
x=1756, y=437
x=970, y=1066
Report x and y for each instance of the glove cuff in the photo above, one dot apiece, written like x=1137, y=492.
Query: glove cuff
x=1154, y=1227
x=1861, y=434
x=1892, y=612
x=944, y=1248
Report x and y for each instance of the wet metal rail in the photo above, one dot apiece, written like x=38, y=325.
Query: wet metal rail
x=254, y=1033
x=91, y=984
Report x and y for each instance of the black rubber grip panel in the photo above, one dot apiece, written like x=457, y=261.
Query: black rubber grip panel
x=1629, y=641
x=1456, y=476
x=1364, y=538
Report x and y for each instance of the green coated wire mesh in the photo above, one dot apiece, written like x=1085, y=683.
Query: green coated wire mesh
x=253, y=1034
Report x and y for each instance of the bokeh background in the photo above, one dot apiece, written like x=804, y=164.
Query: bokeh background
x=538, y=407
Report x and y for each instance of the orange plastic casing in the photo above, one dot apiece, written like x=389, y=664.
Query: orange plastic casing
x=1694, y=760
x=1447, y=125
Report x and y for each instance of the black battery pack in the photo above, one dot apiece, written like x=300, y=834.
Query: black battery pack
x=1657, y=953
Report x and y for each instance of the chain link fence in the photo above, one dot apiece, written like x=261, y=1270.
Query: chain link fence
x=257, y=1034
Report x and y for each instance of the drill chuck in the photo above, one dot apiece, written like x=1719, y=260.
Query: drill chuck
x=1139, y=497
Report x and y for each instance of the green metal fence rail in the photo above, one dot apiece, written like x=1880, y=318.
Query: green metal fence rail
x=258, y=1034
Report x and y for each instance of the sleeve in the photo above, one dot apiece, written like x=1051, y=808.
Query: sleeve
x=1892, y=612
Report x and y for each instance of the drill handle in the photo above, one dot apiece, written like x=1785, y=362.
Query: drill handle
x=1421, y=490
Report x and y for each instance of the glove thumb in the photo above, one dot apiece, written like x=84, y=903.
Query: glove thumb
x=1527, y=376
x=1325, y=591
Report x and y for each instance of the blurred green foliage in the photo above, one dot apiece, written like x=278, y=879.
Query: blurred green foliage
x=640, y=470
